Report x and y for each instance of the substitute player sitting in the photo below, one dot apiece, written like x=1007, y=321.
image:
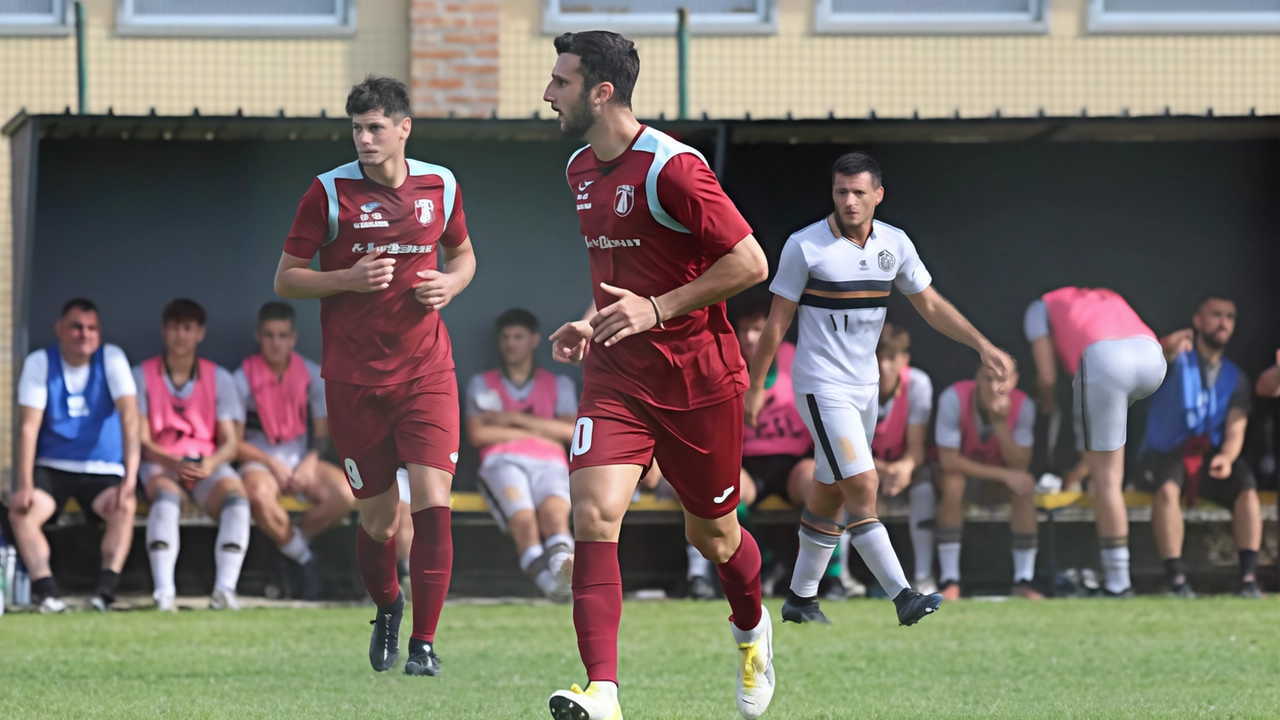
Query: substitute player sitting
x=1195, y=432
x=189, y=410
x=898, y=444
x=282, y=394
x=664, y=374
x=983, y=434
x=521, y=417
x=394, y=251
x=838, y=273
x=79, y=438
x=1115, y=361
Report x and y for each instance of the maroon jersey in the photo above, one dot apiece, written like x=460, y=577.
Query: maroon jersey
x=385, y=337
x=654, y=219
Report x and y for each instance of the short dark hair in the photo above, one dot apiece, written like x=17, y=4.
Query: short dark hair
x=856, y=163
x=1213, y=296
x=379, y=92
x=276, y=310
x=894, y=341
x=516, y=317
x=752, y=303
x=81, y=304
x=604, y=57
x=182, y=310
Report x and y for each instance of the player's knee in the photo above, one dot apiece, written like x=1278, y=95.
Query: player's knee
x=594, y=519
x=715, y=548
x=951, y=487
x=1168, y=492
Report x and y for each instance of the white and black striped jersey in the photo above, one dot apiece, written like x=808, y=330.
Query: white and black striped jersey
x=843, y=291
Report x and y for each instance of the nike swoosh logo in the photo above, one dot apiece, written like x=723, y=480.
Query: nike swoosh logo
x=724, y=495
x=585, y=184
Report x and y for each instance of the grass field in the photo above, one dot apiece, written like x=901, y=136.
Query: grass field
x=1213, y=658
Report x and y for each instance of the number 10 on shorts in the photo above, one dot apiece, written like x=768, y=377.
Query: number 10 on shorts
x=581, y=437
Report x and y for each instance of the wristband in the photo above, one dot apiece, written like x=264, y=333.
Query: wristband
x=656, y=313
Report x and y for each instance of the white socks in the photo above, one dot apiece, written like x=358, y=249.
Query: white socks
x=1024, y=557
x=871, y=541
x=296, y=548
x=1115, y=564
x=232, y=542
x=533, y=562
x=162, y=542
x=811, y=561
x=922, y=503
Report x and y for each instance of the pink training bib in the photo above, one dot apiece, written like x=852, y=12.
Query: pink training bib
x=779, y=430
x=1080, y=317
x=183, y=427
x=281, y=403
x=540, y=403
x=971, y=445
x=890, y=440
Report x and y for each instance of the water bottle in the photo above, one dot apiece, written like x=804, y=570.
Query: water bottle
x=9, y=558
x=21, y=584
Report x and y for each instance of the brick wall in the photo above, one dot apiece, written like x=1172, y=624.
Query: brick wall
x=454, y=62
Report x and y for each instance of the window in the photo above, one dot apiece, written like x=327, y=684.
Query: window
x=910, y=17
x=236, y=17
x=659, y=16
x=33, y=17
x=1164, y=16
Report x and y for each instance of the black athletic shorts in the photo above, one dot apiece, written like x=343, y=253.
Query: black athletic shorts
x=63, y=486
x=770, y=473
x=1159, y=468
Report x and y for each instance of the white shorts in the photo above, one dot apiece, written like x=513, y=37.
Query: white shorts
x=1113, y=375
x=289, y=453
x=511, y=483
x=841, y=421
x=200, y=492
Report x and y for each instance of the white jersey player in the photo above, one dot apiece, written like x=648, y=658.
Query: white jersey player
x=838, y=273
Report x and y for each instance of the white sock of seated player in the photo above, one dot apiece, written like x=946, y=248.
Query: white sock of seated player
x=949, y=554
x=698, y=565
x=559, y=548
x=871, y=541
x=162, y=542
x=296, y=547
x=1024, y=558
x=922, y=508
x=811, y=561
x=533, y=562
x=1115, y=563
x=232, y=542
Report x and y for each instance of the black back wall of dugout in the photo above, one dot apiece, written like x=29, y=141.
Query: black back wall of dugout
x=133, y=224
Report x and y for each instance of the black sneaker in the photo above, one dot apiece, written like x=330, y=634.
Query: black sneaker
x=801, y=610
x=700, y=588
x=384, y=645
x=311, y=579
x=1183, y=590
x=422, y=659
x=914, y=607
x=1251, y=591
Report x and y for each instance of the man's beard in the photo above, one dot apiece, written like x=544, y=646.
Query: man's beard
x=578, y=122
x=844, y=229
x=1213, y=343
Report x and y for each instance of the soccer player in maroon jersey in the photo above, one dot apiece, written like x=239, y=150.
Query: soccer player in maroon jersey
x=663, y=370
x=394, y=250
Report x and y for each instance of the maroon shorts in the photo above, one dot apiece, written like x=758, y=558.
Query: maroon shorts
x=377, y=427
x=699, y=451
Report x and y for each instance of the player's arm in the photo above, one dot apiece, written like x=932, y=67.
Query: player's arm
x=781, y=313
x=320, y=441
x=1232, y=444
x=1269, y=381
x=559, y=429
x=438, y=287
x=481, y=434
x=30, y=420
x=227, y=445
x=735, y=271
x=248, y=452
x=295, y=280
x=1046, y=373
x=1016, y=457
x=1176, y=343
x=952, y=461
x=946, y=319
x=915, y=445
x=127, y=407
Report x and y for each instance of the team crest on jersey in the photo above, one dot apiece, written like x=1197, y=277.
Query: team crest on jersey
x=424, y=210
x=886, y=260
x=624, y=198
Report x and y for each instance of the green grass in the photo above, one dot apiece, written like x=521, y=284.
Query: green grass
x=1214, y=658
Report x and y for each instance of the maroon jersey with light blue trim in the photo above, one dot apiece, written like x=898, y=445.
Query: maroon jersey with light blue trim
x=654, y=219
x=385, y=337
